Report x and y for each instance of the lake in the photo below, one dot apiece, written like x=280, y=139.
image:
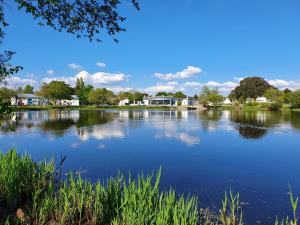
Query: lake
x=204, y=153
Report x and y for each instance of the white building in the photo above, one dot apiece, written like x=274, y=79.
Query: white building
x=74, y=101
x=160, y=101
x=26, y=99
x=227, y=101
x=189, y=101
x=124, y=102
x=262, y=100
x=31, y=99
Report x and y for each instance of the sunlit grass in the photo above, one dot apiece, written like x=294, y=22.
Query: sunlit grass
x=35, y=193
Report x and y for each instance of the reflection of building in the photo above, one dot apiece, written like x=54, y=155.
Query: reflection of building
x=26, y=99
x=160, y=101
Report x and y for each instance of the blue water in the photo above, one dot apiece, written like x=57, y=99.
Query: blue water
x=205, y=153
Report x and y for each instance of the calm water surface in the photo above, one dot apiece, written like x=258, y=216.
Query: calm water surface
x=203, y=153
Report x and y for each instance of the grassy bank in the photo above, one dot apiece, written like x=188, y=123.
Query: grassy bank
x=92, y=107
x=37, y=193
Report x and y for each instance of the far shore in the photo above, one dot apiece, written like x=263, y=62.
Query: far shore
x=173, y=108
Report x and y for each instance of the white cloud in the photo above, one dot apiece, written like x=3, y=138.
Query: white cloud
x=186, y=73
x=15, y=81
x=101, y=64
x=118, y=89
x=75, y=66
x=50, y=72
x=282, y=84
x=224, y=87
x=96, y=79
x=168, y=87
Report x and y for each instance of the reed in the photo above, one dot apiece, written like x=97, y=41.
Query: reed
x=35, y=193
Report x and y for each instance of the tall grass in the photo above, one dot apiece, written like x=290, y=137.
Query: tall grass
x=33, y=193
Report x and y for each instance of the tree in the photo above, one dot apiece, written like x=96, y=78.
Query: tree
x=82, y=91
x=210, y=96
x=276, y=97
x=250, y=87
x=100, y=96
x=56, y=90
x=162, y=93
x=28, y=89
x=179, y=94
x=6, y=94
x=294, y=99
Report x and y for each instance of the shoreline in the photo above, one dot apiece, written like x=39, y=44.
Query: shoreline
x=171, y=108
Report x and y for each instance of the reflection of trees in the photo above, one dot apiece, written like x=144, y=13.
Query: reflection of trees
x=57, y=127
x=90, y=118
x=209, y=119
x=295, y=119
x=254, y=124
x=252, y=132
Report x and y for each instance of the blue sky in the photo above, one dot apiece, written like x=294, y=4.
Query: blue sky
x=169, y=45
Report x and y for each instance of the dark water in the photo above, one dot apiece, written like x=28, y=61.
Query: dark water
x=205, y=153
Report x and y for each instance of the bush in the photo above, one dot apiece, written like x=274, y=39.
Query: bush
x=275, y=106
x=294, y=99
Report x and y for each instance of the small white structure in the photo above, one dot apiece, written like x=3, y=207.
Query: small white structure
x=74, y=101
x=160, y=101
x=188, y=101
x=124, y=102
x=26, y=99
x=262, y=100
x=227, y=101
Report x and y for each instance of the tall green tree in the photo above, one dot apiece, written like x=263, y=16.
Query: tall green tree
x=55, y=90
x=250, y=87
x=82, y=91
x=210, y=96
x=28, y=89
x=100, y=96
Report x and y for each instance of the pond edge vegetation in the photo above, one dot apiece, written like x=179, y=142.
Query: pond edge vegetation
x=39, y=193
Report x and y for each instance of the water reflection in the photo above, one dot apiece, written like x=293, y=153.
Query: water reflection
x=183, y=126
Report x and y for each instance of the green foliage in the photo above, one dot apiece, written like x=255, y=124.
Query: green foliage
x=163, y=93
x=81, y=18
x=36, y=193
x=6, y=94
x=209, y=96
x=82, y=91
x=294, y=99
x=100, y=96
x=250, y=87
x=28, y=89
x=56, y=90
x=179, y=94
x=294, y=219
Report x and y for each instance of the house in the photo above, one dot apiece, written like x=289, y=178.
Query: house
x=262, y=100
x=26, y=99
x=124, y=102
x=160, y=101
x=227, y=101
x=188, y=101
x=74, y=101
